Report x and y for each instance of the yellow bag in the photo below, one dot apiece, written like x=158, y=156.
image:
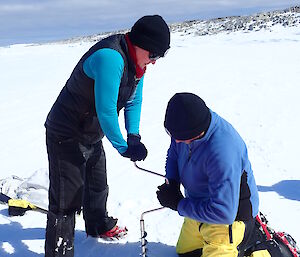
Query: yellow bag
x=18, y=207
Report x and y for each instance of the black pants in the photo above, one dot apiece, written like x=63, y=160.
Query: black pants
x=78, y=179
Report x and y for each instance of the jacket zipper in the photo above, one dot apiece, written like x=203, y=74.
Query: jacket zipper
x=190, y=153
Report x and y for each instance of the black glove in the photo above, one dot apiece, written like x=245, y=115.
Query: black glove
x=136, y=150
x=169, y=195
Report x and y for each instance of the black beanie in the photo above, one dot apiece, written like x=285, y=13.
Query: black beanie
x=151, y=33
x=187, y=116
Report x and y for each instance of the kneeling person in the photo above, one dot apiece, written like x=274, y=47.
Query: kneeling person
x=209, y=158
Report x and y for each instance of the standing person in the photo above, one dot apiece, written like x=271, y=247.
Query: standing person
x=106, y=79
x=209, y=158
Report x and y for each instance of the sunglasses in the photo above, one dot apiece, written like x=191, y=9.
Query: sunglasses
x=155, y=57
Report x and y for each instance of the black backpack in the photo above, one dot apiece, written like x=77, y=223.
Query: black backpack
x=278, y=244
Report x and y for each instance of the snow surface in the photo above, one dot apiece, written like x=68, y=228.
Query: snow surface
x=251, y=79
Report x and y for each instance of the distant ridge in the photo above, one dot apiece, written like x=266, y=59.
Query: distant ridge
x=266, y=20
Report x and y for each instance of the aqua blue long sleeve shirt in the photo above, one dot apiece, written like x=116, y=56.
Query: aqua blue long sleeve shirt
x=106, y=67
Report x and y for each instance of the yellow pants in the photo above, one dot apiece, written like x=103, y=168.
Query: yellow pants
x=215, y=240
x=261, y=253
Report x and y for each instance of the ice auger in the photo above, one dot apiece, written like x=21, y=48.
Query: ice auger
x=142, y=223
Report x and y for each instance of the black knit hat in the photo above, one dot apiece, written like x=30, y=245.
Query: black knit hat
x=151, y=33
x=187, y=116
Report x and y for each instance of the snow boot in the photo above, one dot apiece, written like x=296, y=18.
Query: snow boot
x=115, y=233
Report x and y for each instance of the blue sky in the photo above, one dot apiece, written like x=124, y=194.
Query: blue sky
x=27, y=21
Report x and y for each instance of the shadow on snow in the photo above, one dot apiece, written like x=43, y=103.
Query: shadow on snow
x=90, y=247
x=14, y=234
x=289, y=189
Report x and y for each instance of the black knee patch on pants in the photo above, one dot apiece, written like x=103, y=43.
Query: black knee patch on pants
x=195, y=253
x=60, y=235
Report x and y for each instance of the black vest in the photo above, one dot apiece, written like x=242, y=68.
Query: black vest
x=73, y=113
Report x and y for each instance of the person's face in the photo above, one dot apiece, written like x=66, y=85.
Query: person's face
x=188, y=141
x=142, y=57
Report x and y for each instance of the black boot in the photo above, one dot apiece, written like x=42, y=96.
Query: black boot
x=60, y=235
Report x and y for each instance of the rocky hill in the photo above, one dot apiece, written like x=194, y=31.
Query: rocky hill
x=287, y=18
x=267, y=20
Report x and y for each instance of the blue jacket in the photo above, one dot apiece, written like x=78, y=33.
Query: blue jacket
x=210, y=169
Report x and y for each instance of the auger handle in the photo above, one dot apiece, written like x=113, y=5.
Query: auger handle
x=151, y=172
